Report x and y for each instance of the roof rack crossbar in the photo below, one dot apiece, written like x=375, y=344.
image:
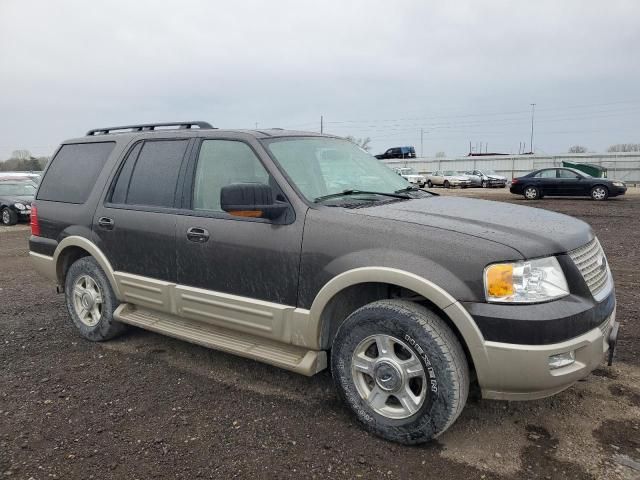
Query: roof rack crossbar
x=146, y=127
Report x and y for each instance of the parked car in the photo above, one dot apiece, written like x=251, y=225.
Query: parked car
x=15, y=200
x=565, y=182
x=398, y=152
x=33, y=176
x=486, y=179
x=411, y=176
x=197, y=233
x=447, y=179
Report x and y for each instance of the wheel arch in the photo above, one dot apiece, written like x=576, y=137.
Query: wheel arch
x=74, y=247
x=354, y=288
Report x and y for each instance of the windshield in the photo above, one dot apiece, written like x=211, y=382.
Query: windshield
x=325, y=166
x=451, y=173
x=19, y=189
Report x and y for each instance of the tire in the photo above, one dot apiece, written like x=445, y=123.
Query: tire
x=440, y=373
x=531, y=193
x=484, y=184
x=429, y=184
x=9, y=217
x=599, y=193
x=86, y=275
x=446, y=184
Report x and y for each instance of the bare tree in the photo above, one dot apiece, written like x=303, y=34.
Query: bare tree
x=363, y=143
x=440, y=154
x=624, y=147
x=21, y=154
x=578, y=149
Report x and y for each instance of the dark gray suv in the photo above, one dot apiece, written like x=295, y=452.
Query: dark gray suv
x=302, y=251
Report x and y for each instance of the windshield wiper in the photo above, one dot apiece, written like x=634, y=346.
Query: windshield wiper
x=410, y=188
x=348, y=192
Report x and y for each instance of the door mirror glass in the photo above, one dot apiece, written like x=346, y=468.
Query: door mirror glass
x=253, y=200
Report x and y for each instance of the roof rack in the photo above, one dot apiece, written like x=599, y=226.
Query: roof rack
x=145, y=127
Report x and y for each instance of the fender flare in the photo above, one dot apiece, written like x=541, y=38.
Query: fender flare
x=94, y=251
x=454, y=310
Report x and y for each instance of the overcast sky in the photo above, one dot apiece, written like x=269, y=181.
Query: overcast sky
x=461, y=71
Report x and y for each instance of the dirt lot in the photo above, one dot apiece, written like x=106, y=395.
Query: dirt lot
x=146, y=406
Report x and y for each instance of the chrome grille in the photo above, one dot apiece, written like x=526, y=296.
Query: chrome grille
x=592, y=263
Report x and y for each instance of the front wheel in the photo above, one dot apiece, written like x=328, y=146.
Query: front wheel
x=429, y=184
x=446, y=184
x=401, y=370
x=9, y=217
x=599, y=193
x=531, y=193
x=484, y=184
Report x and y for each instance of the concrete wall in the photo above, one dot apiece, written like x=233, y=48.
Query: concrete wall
x=621, y=166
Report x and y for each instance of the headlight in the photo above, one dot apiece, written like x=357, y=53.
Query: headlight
x=19, y=206
x=618, y=184
x=530, y=281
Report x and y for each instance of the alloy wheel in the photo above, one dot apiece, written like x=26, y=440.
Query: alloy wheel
x=599, y=193
x=5, y=217
x=389, y=376
x=87, y=300
x=531, y=193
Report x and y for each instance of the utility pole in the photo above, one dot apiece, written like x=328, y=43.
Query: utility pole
x=422, y=142
x=533, y=110
x=321, y=124
x=256, y=125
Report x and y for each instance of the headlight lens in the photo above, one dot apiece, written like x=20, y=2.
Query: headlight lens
x=618, y=184
x=530, y=281
x=19, y=206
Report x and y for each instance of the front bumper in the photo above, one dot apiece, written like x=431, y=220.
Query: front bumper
x=521, y=372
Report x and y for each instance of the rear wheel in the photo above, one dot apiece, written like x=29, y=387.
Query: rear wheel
x=531, y=193
x=484, y=184
x=91, y=301
x=429, y=184
x=9, y=217
x=446, y=184
x=401, y=370
x=599, y=192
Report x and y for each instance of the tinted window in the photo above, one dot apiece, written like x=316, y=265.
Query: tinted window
x=567, y=174
x=546, y=173
x=221, y=163
x=119, y=194
x=155, y=174
x=74, y=171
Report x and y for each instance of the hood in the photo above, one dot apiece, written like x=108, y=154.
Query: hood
x=457, y=177
x=531, y=231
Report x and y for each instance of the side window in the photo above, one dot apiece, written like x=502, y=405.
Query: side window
x=155, y=174
x=73, y=172
x=562, y=173
x=221, y=163
x=119, y=194
x=551, y=173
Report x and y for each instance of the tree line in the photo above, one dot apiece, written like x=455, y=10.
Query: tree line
x=617, y=148
x=23, y=161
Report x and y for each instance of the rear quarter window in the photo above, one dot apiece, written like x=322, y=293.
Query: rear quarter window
x=73, y=172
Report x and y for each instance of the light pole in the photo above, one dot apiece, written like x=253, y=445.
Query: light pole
x=533, y=110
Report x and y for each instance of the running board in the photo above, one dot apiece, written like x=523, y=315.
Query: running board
x=290, y=357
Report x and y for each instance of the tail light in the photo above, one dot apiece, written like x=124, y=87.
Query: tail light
x=35, y=225
x=515, y=180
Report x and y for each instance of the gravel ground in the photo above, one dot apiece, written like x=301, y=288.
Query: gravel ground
x=146, y=406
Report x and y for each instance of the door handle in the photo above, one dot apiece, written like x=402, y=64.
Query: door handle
x=197, y=234
x=106, y=223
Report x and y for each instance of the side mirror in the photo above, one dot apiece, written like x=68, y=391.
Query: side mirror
x=578, y=177
x=253, y=200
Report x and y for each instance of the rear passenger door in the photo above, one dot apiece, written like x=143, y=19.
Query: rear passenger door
x=135, y=226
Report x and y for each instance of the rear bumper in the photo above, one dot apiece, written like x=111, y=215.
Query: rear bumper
x=521, y=372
